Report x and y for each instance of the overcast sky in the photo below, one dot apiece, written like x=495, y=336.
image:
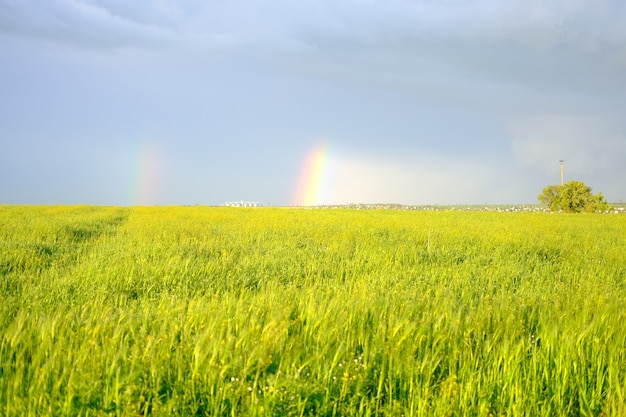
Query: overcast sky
x=121, y=102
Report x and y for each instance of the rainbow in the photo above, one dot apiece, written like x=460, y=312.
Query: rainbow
x=147, y=174
x=313, y=185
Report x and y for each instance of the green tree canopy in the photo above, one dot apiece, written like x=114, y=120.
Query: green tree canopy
x=573, y=197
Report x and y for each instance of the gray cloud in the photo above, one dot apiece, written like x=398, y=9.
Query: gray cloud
x=561, y=45
x=444, y=80
x=589, y=145
x=583, y=24
x=78, y=23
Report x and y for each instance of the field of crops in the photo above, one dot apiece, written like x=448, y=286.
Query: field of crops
x=226, y=311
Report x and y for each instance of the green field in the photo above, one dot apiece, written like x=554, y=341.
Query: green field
x=226, y=311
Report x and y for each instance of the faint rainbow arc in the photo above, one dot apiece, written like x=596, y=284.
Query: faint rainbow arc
x=314, y=182
x=147, y=176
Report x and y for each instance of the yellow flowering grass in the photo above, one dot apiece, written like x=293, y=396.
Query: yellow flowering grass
x=225, y=311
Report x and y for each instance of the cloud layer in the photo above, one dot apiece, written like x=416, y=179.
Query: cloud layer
x=468, y=89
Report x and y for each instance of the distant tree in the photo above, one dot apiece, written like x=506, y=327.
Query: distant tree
x=572, y=197
x=550, y=197
x=601, y=204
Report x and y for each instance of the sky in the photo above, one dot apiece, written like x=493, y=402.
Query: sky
x=183, y=102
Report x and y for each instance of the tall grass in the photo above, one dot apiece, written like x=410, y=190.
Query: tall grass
x=218, y=311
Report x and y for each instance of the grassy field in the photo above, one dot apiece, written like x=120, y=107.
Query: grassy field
x=225, y=311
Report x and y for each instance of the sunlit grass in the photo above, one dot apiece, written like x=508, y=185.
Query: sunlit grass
x=216, y=311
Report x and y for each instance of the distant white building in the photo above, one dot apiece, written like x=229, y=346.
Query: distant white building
x=242, y=204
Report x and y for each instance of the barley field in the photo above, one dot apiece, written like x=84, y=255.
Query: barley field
x=166, y=311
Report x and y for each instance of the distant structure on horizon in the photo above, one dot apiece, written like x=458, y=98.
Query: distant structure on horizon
x=561, y=165
x=242, y=204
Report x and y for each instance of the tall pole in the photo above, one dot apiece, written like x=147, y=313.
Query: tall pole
x=561, y=164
